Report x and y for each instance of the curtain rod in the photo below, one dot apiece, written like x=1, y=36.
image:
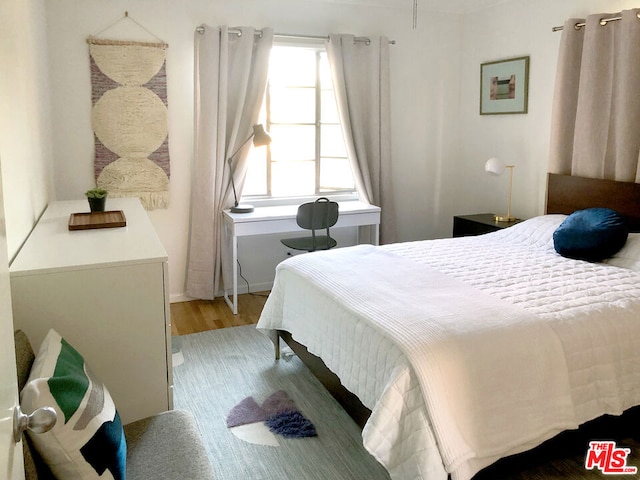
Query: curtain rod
x=603, y=22
x=200, y=30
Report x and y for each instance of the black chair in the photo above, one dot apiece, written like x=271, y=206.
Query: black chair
x=319, y=215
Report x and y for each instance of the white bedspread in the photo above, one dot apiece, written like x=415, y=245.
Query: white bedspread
x=466, y=350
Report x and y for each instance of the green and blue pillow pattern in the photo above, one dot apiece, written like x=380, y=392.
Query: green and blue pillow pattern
x=87, y=441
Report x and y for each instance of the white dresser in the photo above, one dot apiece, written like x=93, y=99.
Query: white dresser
x=106, y=292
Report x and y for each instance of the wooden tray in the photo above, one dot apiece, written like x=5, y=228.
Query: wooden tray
x=86, y=221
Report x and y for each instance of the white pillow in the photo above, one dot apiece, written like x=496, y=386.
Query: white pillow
x=629, y=255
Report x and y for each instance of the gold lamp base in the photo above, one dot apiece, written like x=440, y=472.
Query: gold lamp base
x=499, y=218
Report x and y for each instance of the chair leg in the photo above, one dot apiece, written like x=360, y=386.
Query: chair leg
x=277, y=345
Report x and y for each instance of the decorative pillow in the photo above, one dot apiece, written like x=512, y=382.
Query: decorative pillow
x=87, y=441
x=592, y=234
x=629, y=255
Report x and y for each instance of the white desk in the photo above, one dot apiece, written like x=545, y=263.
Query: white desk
x=282, y=219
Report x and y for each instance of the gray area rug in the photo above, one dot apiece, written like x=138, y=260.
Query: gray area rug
x=222, y=367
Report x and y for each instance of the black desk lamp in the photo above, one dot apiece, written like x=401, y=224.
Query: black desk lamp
x=260, y=138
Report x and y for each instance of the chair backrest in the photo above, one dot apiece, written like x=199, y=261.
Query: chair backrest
x=320, y=214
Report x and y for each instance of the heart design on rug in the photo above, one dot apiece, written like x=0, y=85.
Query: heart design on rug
x=278, y=413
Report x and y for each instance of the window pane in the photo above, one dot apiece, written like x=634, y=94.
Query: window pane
x=291, y=66
x=332, y=141
x=291, y=164
x=293, y=142
x=329, y=107
x=292, y=178
x=293, y=105
x=325, y=71
x=335, y=174
x=255, y=182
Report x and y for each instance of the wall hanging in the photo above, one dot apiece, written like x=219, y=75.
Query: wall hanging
x=129, y=119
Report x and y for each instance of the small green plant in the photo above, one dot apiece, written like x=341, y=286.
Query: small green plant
x=96, y=193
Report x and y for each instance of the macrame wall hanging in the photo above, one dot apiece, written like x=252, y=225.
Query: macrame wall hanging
x=129, y=119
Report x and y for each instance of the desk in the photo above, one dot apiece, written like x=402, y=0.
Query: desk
x=282, y=219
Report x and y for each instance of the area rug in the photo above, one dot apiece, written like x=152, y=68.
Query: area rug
x=219, y=369
x=129, y=119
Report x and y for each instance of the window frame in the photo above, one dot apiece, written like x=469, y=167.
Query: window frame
x=337, y=195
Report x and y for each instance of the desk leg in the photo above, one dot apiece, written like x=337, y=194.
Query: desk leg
x=233, y=305
x=235, y=274
x=373, y=233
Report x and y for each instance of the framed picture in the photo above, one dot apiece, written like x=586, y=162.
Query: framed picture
x=504, y=86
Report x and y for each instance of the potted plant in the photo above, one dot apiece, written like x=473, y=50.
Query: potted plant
x=97, y=199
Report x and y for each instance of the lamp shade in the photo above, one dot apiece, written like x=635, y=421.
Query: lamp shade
x=260, y=137
x=494, y=166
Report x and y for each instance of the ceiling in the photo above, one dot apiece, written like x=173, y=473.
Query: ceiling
x=444, y=6
x=457, y=6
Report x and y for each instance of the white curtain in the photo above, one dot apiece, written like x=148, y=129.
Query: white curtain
x=230, y=80
x=360, y=72
x=596, y=112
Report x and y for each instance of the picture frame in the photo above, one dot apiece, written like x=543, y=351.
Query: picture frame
x=504, y=86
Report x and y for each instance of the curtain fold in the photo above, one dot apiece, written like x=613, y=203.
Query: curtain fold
x=596, y=109
x=360, y=72
x=230, y=80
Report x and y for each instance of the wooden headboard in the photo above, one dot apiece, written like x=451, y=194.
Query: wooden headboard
x=566, y=194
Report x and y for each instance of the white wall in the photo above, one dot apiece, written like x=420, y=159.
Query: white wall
x=512, y=29
x=422, y=67
x=25, y=120
x=439, y=140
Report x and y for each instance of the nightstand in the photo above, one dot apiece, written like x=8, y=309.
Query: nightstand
x=467, y=225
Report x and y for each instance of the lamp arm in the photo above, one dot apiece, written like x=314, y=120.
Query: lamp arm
x=240, y=147
x=233, y=184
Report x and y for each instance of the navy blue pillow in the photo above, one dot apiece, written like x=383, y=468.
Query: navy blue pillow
x=592, y=234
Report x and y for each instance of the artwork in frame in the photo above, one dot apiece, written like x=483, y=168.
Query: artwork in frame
x=504, y=86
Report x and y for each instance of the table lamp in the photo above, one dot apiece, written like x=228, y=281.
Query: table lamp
x=260, y=138
x=493, y=166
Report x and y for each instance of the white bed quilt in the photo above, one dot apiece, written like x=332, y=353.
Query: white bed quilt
x=466, y=350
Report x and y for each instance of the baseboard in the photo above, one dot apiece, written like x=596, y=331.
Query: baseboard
x=179, y=297
x=256, y=287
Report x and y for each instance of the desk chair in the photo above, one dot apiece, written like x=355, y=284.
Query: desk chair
x=318, y=215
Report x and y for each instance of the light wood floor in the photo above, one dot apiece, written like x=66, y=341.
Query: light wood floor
x=201, y=315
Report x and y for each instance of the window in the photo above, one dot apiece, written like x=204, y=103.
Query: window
x=307, y=155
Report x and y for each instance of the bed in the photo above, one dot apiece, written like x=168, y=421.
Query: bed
x=455, y=353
